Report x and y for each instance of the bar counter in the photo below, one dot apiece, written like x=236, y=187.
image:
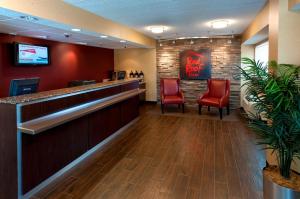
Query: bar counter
x=48, y=95
x=44, y=133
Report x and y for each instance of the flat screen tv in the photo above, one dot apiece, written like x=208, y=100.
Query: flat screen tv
x=27, y=54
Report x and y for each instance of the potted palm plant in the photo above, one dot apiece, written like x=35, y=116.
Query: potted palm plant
x=276, y=97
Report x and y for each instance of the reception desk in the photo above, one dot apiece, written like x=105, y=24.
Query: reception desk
x=43, y=133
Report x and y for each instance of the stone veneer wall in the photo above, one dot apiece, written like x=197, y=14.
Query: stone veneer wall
x=224, y=58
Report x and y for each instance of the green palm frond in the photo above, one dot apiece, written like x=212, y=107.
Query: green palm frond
x=278, y=96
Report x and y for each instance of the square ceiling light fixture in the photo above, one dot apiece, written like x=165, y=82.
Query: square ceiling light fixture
x=157, y=29
x=220, y=24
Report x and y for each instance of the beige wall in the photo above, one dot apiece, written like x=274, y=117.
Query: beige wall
x=246, y=51
x=288, y=35
x=273, y=29
x=258, y=24
x=139, y=59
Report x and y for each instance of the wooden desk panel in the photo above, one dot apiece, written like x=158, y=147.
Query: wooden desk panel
x=129, y=86
x=129, y=110
x=8, y=152
x=46, y=153
x=32, y=111
x=104, y=123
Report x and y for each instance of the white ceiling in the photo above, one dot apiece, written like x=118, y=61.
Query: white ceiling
x=11, y=23
x=186, y=18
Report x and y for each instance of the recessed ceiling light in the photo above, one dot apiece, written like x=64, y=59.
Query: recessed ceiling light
x=181, y=38
x=75, y=29
x=103, y=36
x=219, y=24
x=29, y=18
x=41, y=36
x=157, y=29
x=123, y=41
x=81, y=43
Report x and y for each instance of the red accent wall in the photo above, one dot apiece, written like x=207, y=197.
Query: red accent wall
x=68, y=62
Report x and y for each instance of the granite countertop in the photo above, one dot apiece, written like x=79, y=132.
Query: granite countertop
x=60, y=92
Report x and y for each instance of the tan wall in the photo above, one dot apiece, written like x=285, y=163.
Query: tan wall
x=259, y=23
x=246, y=51
x=288, y=35
x=273, y=29
x=139, y=59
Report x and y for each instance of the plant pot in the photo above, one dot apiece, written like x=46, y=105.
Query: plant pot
x=277, y=187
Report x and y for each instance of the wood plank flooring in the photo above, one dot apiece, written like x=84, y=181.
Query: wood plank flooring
x=169, y=156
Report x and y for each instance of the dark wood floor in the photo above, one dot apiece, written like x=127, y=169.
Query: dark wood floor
x=169, y=156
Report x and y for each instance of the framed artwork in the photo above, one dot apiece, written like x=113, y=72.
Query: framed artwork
x=195, y=65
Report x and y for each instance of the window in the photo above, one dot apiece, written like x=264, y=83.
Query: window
x=262, y=52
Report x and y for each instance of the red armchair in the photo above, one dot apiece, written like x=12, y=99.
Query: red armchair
x=170, y=93
x=217, y=95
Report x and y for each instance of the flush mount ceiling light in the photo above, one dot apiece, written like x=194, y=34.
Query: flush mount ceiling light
x=103, y=36
x=81, y=43
x=41, y=36
x=75, y=29
x=123, y=41
x=219, y=24
x=157, y=29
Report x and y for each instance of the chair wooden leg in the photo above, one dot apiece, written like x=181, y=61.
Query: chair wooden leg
x=208, y=108
x=228, y=109
x=200, y=107
x=221, y=113
x=162, y=108
x=182, y=108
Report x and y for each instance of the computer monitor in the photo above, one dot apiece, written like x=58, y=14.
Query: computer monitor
x=121, y=75
x=23, y=86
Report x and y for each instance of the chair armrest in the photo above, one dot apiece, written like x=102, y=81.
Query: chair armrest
x=206, y=94
x=180, y=94
x=161, y=96
x=225, y=99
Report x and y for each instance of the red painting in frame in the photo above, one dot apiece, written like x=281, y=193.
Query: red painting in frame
x=195, y=65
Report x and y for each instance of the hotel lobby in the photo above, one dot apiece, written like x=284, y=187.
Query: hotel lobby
x=150, y=99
